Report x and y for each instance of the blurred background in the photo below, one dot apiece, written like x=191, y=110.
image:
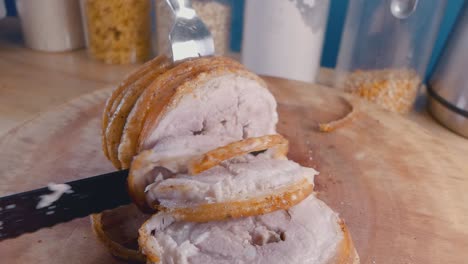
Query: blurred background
x=337, y=13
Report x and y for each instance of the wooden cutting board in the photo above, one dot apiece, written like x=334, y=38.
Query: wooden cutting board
x=402, y=191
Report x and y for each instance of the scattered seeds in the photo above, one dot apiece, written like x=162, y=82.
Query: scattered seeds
x=393, y=89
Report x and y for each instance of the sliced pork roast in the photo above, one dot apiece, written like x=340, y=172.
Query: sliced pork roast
x=307, y=233
x=220, y=106
x=241, y=186
x=215, y=100
x=217, y=87
x=200, y=140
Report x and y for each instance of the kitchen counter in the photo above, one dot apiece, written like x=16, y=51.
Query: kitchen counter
x=32, y=81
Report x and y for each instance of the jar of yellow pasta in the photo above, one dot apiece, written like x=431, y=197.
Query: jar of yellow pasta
x=118, y=31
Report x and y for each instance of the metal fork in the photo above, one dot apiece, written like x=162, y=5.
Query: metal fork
x=189, y=36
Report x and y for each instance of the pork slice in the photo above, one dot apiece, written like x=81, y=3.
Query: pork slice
x=237, y=179
x=214, y=109
x=222, y=109
x=308, y=233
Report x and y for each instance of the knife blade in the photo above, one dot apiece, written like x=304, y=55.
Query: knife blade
x=32, y=210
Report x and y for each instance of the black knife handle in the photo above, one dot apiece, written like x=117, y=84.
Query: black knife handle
x=18, y=213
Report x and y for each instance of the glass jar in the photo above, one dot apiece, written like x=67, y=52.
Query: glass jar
x=385, y=51
x=284, y=38
x=118, y=31
x=216, y=14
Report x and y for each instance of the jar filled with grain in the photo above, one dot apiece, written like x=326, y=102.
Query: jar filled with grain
x=385, y=49
x=216, y=14
x=118, y=31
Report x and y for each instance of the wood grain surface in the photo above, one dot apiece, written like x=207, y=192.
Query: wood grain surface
x=401, y=190
x=33, y=81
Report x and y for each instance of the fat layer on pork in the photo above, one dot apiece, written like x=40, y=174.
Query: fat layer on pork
x=233, y=180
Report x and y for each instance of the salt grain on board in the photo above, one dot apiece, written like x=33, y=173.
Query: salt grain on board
x=57, y=191
x=360, y=156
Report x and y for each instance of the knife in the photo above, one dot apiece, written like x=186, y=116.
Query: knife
x=32, y=210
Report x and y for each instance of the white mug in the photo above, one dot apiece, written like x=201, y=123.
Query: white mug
x=284, y=38
x=2, y=9
x=51, y=25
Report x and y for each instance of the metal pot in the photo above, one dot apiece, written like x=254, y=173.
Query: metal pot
x=448, y=86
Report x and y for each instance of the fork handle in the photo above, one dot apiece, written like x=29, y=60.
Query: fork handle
x=177, y=5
